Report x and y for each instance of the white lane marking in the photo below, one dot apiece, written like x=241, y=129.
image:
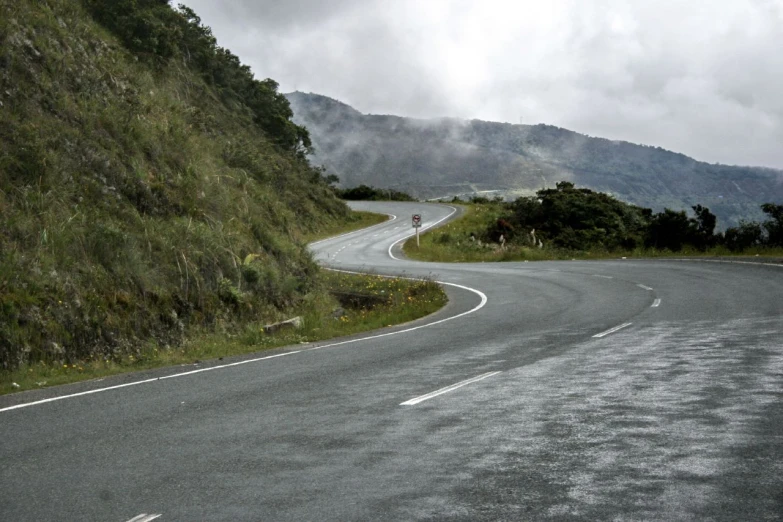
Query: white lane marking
x=145, y=381
x=392, y=217
x=447, y=389
x=453, y=211
x=643, y=286
x=780, y=265
x=656, y=303
x=144, y=518
x=474, y=309
x=612, y=330
x=603, y=276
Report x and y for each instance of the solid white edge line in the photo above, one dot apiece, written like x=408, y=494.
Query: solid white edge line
x=145, y=381
x=778, y=265
x=125, y=385
x=453, y=211
x=474, y=309
x=612, y=330
x=422, y=398
x=392, y=216
x=656, y=303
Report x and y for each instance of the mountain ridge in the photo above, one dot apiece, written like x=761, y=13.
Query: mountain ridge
x=447, y=156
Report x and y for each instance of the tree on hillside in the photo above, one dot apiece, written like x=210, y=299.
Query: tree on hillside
x=773, y=226
x=668, y=229
x=747, y=235
x=160, y=35
x=702, y=228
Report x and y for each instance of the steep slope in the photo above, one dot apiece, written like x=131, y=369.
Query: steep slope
x=139, y=199
x=434, y=158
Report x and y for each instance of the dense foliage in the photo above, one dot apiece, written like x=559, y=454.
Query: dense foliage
x=580, y=219
x=365, y=193
x=139, y=202
x=160, y=35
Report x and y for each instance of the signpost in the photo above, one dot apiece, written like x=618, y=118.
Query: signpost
x=416, y=225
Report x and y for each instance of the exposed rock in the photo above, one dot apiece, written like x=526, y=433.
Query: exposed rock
x=294, y=323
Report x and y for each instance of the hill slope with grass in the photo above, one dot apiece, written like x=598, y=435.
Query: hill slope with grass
x=150, y=187
x=446, y=157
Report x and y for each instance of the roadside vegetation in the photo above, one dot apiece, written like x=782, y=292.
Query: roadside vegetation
x=365, y=193
x=575, y=223
x=153, y=194
x=349, y=304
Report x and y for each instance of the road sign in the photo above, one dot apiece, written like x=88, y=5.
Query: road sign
x=416, y=220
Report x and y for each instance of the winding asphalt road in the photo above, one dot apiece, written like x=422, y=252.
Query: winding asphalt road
x=611, y=390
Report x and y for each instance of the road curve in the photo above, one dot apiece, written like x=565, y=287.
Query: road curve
x=626, y=389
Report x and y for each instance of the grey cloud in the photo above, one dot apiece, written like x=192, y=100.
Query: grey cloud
x=702, y=78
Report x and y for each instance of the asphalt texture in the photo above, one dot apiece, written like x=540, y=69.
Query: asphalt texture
x=572, y=390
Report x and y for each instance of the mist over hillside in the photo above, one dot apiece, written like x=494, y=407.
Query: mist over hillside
x=446, y=157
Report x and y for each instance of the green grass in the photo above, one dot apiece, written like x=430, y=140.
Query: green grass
x=451, y=244
x=145, y=218
x=393, y=301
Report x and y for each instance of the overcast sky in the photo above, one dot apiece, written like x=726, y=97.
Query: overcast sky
x=702, y=77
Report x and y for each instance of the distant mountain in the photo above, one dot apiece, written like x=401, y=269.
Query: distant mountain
x=446, y=157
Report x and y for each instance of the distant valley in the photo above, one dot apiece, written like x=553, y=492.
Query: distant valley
x=447, y=157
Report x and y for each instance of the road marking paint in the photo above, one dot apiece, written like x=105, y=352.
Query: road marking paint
x=612, y=330
x=481, y=294
x=643, y=286
x=656, y=303
x=145, y=381
x=422, y=229
x=447, y=389
x=144, y=518
x=726, y=261
x=392, y=217
x=603, y=276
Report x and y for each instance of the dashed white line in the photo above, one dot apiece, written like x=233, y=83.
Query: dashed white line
x=144, y=518
x=643, y=286
x=656, y=303
x=422, y=398
x=603, y=276
x=612, y=330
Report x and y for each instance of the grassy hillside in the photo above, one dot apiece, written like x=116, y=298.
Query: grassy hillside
x=141, y=201
x=444, y=157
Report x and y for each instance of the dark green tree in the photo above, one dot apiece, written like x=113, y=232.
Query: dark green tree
x=155, y=32
x=774, y=225
x=668, y=229
x=702, y=228
x=748, y=234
